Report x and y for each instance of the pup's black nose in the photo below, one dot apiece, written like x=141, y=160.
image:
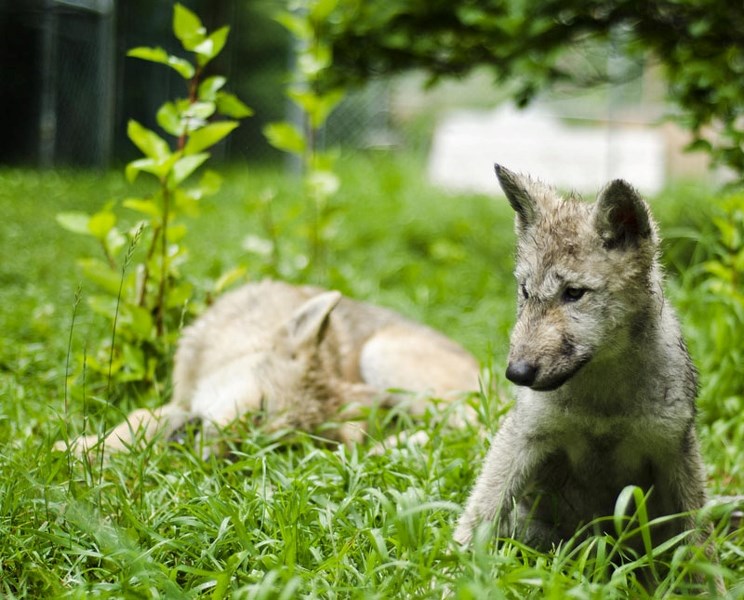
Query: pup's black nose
x=521, y=372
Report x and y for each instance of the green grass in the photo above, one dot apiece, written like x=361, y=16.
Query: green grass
x=300, y=519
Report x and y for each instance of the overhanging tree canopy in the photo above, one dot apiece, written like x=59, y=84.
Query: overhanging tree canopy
x=700, y=44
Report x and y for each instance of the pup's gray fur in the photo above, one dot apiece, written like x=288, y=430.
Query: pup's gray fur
x=606, y=388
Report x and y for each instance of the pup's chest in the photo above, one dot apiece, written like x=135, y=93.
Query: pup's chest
x=605, y=445
x=608, y=452
x=581, y=478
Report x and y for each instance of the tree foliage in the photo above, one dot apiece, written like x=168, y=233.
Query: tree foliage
x=700, y=44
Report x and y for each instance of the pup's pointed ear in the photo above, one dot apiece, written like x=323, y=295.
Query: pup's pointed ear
x=621, y=217
x=516, y=193
x=309, y=322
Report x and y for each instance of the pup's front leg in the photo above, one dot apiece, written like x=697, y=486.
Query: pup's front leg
x=140, y=427
x=509, y=465
x=683, y=482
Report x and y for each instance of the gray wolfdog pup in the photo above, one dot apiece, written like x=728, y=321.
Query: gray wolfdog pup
x=297, y=356
x=606, y=388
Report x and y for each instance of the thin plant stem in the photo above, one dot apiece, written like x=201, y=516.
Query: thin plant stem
x=163, y=284
x=125, y=265
x=146, y=276
x=66, y=392
x=75, y=304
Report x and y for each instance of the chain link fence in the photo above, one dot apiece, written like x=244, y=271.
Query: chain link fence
x=56, y=93
x=77, y=99
x=363, y=119
x=69, y=89
x=57, y=90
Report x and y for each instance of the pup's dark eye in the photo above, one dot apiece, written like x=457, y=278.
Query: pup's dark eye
x=523, y=291
x=572, y=294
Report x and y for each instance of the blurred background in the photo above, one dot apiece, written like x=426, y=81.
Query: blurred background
x=68, y=90
x=111, y=242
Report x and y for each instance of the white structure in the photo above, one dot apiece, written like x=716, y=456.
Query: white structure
x=467, y=143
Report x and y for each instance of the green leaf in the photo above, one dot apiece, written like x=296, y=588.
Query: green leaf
x=114, y=241
x=76, y=222
x=622, y=509
x=209, y=87
x=101, y=274
x=135, y=167
x=699, y=145
x=200, y=110
x=147, y=165
x=225, y=577
x=149, y=142
x=320, y=10
x=314, y=60
x=187, y=27
x=718, y=270
x=208, y=136
x=212, y=46
x=101, y=223
x=210, y=183
x=285, y=136
x=186, y=166
x=144, y=206
x=157, y=55
x=297, y=26
x=176, y=232
x=195, y=115
x=186, y=201
x=104, y=305
x=325, y=161
x=179, y=294
x=229, y=278
x=137, y=319
x=134, y=364
x=317, y=106
x=231, y=106
x=158, y=168
x=169, y=118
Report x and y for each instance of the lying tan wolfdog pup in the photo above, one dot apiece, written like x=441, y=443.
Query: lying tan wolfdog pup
x=297, y=356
